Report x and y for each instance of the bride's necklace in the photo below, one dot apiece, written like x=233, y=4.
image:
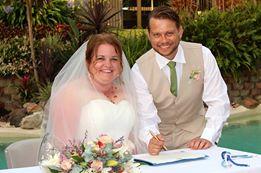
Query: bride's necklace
x=111, y=94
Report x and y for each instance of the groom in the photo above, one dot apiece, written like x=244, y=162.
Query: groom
x=170, y=97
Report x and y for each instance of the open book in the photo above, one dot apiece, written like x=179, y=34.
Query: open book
x=168, y=157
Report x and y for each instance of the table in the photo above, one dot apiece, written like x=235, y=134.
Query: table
x=212, y=164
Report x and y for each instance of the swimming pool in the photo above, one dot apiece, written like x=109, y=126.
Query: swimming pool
x=246, y=137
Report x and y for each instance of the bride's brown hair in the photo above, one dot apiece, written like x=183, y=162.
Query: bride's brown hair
x=98, y=39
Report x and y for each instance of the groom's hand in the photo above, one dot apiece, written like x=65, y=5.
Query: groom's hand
x=155, y=145
x=199, y=143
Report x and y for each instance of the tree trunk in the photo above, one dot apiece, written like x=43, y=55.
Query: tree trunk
x=30, y=30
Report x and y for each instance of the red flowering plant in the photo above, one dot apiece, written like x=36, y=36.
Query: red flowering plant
x=103, y=155
x=25, y=87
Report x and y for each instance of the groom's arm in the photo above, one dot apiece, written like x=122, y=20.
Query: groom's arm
x=146, y=109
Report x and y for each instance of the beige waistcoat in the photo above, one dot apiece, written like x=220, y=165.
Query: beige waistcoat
x=182, y=117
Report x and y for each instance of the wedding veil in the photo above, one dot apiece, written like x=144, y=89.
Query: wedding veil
x=71, y=90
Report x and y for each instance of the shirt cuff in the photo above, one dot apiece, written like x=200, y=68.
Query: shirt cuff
x=148, y=136
x=211, y=135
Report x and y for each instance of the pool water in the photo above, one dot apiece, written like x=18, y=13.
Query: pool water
x=2, y=156
x=245, y=137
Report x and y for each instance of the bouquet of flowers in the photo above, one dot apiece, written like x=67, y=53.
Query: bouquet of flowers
x=102, y=155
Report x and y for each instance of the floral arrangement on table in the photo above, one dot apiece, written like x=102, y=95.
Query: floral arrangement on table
x=102, y=155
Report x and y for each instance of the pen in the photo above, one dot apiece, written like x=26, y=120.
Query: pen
x=154, y=136
x=242, y=156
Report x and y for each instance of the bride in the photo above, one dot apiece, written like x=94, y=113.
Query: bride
x=93, y=94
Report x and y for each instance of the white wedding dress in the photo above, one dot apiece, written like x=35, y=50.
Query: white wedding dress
x=103, y=117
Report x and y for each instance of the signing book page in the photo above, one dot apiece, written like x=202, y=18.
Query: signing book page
x=169, y=157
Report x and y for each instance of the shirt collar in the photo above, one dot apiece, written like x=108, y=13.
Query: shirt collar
x=179, y=58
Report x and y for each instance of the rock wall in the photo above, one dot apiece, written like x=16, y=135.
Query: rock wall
x=247, y=90
x=9, y=98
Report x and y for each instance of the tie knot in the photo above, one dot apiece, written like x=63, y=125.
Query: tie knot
x=172, y=64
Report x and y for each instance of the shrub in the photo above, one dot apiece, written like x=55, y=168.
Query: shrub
x=44, y=92
x=15, y=56
x=25, y=87
x=232, y=36
x=94, y=16
x=48, y=12
x=134, y=43
x=7, y=32
x=53, y=53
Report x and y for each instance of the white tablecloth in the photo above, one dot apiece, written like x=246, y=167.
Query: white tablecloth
x=212, y=164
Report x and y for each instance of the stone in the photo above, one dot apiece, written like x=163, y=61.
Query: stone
x=236, y=100
x=258, y=85
x=32, y=121
x=250, y=103
x=1, y=91
x=244, y=93
x=258, y=98
x=10, y=91
x=255, y=92
x=15, y=117
x=32, y=107
x=235, y=105
x=234, y=93
x=10, y=106
x=248, y=85
x=254, y=79
x=238, y=86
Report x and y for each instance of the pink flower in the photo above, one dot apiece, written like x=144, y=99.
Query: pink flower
x=195, y=75
x=105, y=139
x=117, y=144
x=97, y=165
x=66, y=165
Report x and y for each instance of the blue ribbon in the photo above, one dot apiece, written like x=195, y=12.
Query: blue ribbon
x=227, y=159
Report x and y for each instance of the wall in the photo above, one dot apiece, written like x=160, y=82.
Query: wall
x=248, y=86
x=9, y=98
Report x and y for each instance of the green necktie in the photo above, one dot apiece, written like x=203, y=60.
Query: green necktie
x=173, y=77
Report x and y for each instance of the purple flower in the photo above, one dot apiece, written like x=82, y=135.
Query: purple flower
x=8, y=9
x=70, y=3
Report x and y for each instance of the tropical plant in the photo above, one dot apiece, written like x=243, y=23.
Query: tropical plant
x=189, y=6
x=44, y=92
x=52, y=53
x=232, y=36
x=44, y=12
x=227, y=4
x=25, y=87
x=94, y=16
x=75, y=35
x=134, y=43
x=15, y=56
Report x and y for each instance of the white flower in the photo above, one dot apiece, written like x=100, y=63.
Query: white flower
x=106, y=170
x=53, y=160
x=131, y=167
